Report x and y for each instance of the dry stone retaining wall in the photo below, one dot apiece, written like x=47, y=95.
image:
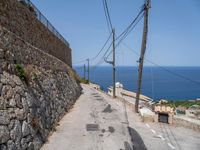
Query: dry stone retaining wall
x=18, y=19
x=31, y=108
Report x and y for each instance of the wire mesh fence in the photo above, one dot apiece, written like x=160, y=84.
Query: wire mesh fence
x=33, y=9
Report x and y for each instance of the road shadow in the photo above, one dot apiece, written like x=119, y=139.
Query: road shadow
x=136, y=139
x=127, y=146
x=108, y=109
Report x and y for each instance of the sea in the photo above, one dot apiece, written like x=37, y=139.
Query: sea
x=170, y=83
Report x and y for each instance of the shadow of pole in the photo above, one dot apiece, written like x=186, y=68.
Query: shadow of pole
x=136, y=139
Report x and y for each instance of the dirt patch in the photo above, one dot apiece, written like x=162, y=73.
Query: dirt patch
x=97, y=96
x=94, y=93
x=103, y=130
x=99, y=99
x=111, y=129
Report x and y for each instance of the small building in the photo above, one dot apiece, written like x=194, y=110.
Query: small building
x=193, y=111
x=163, y=112
x=198, y=99
x=181, y=110
x=119, y=85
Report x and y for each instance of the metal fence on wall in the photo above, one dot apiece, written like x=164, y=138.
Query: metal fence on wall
x=33, y=9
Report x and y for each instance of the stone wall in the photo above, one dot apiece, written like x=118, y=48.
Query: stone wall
x=30, y=107
x=19, y=20
x=187, y=124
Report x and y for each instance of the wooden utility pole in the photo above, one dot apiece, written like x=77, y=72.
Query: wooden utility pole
x=113, y=63
x=84, y=71
x=143, y=48
x=114, y=92
x=88, y=60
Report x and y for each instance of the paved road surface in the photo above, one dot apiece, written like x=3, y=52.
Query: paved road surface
x=97, y=122
x=161, y=136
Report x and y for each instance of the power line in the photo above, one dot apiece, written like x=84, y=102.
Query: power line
x=121, y=37
x=78, y=62
x=126, y=32
x=91, y=59
x=102, y=48
x=167, y=70
x=102, y=58
x=131, y=24
x=108, y=19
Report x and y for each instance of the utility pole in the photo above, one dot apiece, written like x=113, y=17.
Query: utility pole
x=114, y=92
x=113, y=63
x=143, y=48
x=88, y=60
x=84, y=71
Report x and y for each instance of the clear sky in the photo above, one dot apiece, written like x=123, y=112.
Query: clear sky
x=173, y=38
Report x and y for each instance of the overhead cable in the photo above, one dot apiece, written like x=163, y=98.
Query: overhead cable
x=167, y=70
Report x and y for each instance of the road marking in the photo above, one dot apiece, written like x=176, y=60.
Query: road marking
x=147, y=125
x=170, y=145
x=152, y=130
x=161, y=137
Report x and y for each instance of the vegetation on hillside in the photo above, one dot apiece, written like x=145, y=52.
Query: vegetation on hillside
x=84, y=81
x=184, y=103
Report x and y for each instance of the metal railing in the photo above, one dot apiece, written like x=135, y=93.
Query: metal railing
x=33, y=9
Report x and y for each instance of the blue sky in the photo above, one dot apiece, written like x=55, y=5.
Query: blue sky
x=173, y=38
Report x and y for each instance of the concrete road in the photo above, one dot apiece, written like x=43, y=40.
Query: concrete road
x=98, y=122
x=161, y=136
x=95, y=123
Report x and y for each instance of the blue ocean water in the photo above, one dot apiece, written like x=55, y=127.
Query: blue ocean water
x=157, y=83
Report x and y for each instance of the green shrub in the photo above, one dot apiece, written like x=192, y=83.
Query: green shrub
x=20, y=72
x=84, y=81
x=34, y=77
x=185, y=103
x=73, y=75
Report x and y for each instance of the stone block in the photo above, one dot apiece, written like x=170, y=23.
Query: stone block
x=29, y=99
x=24, y=144
x=25, y=105
x=4, y=134
x=11, y=145
x=37, y=142
x=3, y=147
x=11, y=124
x=31, y=146
x=1, y=53
x=19, y=114
x=18, y=101
x=3, y=103
x=16, y=132
x=4, y=118
x=17, y=80
x=25, y=129
x=7, y=92
x=18, y=90
x=4, y=90
x=12, y=102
